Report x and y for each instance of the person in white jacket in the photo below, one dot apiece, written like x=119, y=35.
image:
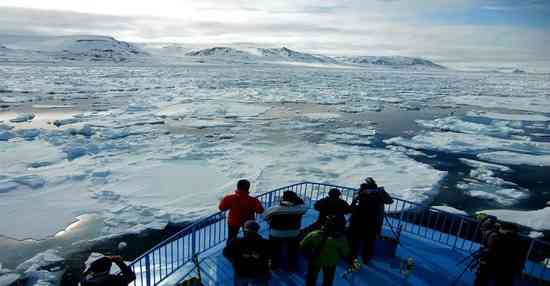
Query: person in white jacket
x=285, y=221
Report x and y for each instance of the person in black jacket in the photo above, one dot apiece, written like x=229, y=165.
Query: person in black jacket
x=367, y=218
x=285, y=221
x=503, y=254
x=250, y=256
x=332, y=206
x=98, y=273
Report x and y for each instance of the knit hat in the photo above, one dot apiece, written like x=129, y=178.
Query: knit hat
x=370, y=183
x=251, y=226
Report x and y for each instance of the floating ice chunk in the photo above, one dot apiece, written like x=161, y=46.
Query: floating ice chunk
x=459, y=125
x=210, y=109
x=511, y=158
x=203, y=123
x=76, y=151
x=24, y=117
x=105, y=196
x=467, y=143
x=6, y=135
x=29, y=134
x=357, y=131
x=8, y=186
x=537, y=219
x=503, y=196
x=358, y=108
x=86, y=130
x=484, y=165
x=407, y=151
x=526, y=103
x=31, y=181
x=450, y=209
x=321, y=116
x=40, y=261
x=536, y=234
x=7, y=278
x=5, y=127
x=62, y=122
x=510, y=117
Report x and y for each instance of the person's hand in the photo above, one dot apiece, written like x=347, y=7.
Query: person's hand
x=115, y=258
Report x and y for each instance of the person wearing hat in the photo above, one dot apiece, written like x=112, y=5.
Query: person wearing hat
x=367, y=218
x=98, y=274
x=324, y=248
x=285, y=221
x=503, y=257
x=250, y=256
x=332, y=205
x=241, y=207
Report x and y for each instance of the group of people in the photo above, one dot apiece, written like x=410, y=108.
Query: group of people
x=324, y=243
x=327, y=241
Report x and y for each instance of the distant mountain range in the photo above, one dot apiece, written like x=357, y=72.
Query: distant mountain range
x=285, y=54
x=109, y=49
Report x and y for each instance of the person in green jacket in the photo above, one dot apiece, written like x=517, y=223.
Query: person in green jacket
x=324, y=248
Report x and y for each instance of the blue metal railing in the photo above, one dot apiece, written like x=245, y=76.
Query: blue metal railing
x=456, y=231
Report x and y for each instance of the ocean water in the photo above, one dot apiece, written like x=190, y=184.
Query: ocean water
x=121, y=150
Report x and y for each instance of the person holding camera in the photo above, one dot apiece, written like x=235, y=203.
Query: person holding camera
x=98, y=274
x=502, y=257
x=367, y=218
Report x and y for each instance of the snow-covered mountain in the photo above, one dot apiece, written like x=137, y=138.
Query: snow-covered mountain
x=283, y=54
x=72, y=48
x=394, y=61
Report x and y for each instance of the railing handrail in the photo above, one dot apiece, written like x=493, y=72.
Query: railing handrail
x=203, y=222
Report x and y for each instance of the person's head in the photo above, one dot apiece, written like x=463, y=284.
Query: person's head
x=243, y=185
x=292, y=198
x=334, y=193
x=251, y=227
x=508, y=227
x=370, y=184
x=101, y=265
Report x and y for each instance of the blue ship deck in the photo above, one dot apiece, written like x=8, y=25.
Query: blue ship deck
x=439, y=244
x=433, y=264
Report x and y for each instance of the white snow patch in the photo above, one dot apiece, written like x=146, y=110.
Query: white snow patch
x=484, y=165
x=511, y=158
x=456, y=124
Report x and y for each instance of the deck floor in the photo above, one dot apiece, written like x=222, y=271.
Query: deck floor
x=434, y=264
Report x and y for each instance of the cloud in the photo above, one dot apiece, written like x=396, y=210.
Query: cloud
x=332, y=27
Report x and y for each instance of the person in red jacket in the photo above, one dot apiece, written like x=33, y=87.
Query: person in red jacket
x=241, y=206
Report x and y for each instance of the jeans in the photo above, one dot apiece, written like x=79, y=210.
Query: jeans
x=293, y=246
x=246, y=281
x=313, y=271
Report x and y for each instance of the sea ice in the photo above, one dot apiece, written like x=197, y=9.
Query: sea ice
x=457, y=124
x=510, y=117
x=451, y=142
x=537, y=219
x=512, y=158
x=450, y=209
x=6, y=135
x=24, y=117
x=525, y=103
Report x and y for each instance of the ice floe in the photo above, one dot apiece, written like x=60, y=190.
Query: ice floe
x=510, y=117
x=450, y=209
x=457, y=124
x=45, y=268
x=536, y=219
x=24, y=117
x=524, y=103
x=452, y=142
x=512, y=158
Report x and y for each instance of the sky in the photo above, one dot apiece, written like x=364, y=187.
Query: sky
x=445, y=30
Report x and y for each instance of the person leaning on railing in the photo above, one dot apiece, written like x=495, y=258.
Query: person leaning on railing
x=98, y=274
x=241, y=206
x=250, y=257
x=285, y=221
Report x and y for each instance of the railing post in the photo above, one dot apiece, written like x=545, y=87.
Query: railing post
x=147, y=271
x=193, y=241
x=459, y=231
x=528, y=254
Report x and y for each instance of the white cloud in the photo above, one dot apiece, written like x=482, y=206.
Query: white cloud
x=333, y=27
